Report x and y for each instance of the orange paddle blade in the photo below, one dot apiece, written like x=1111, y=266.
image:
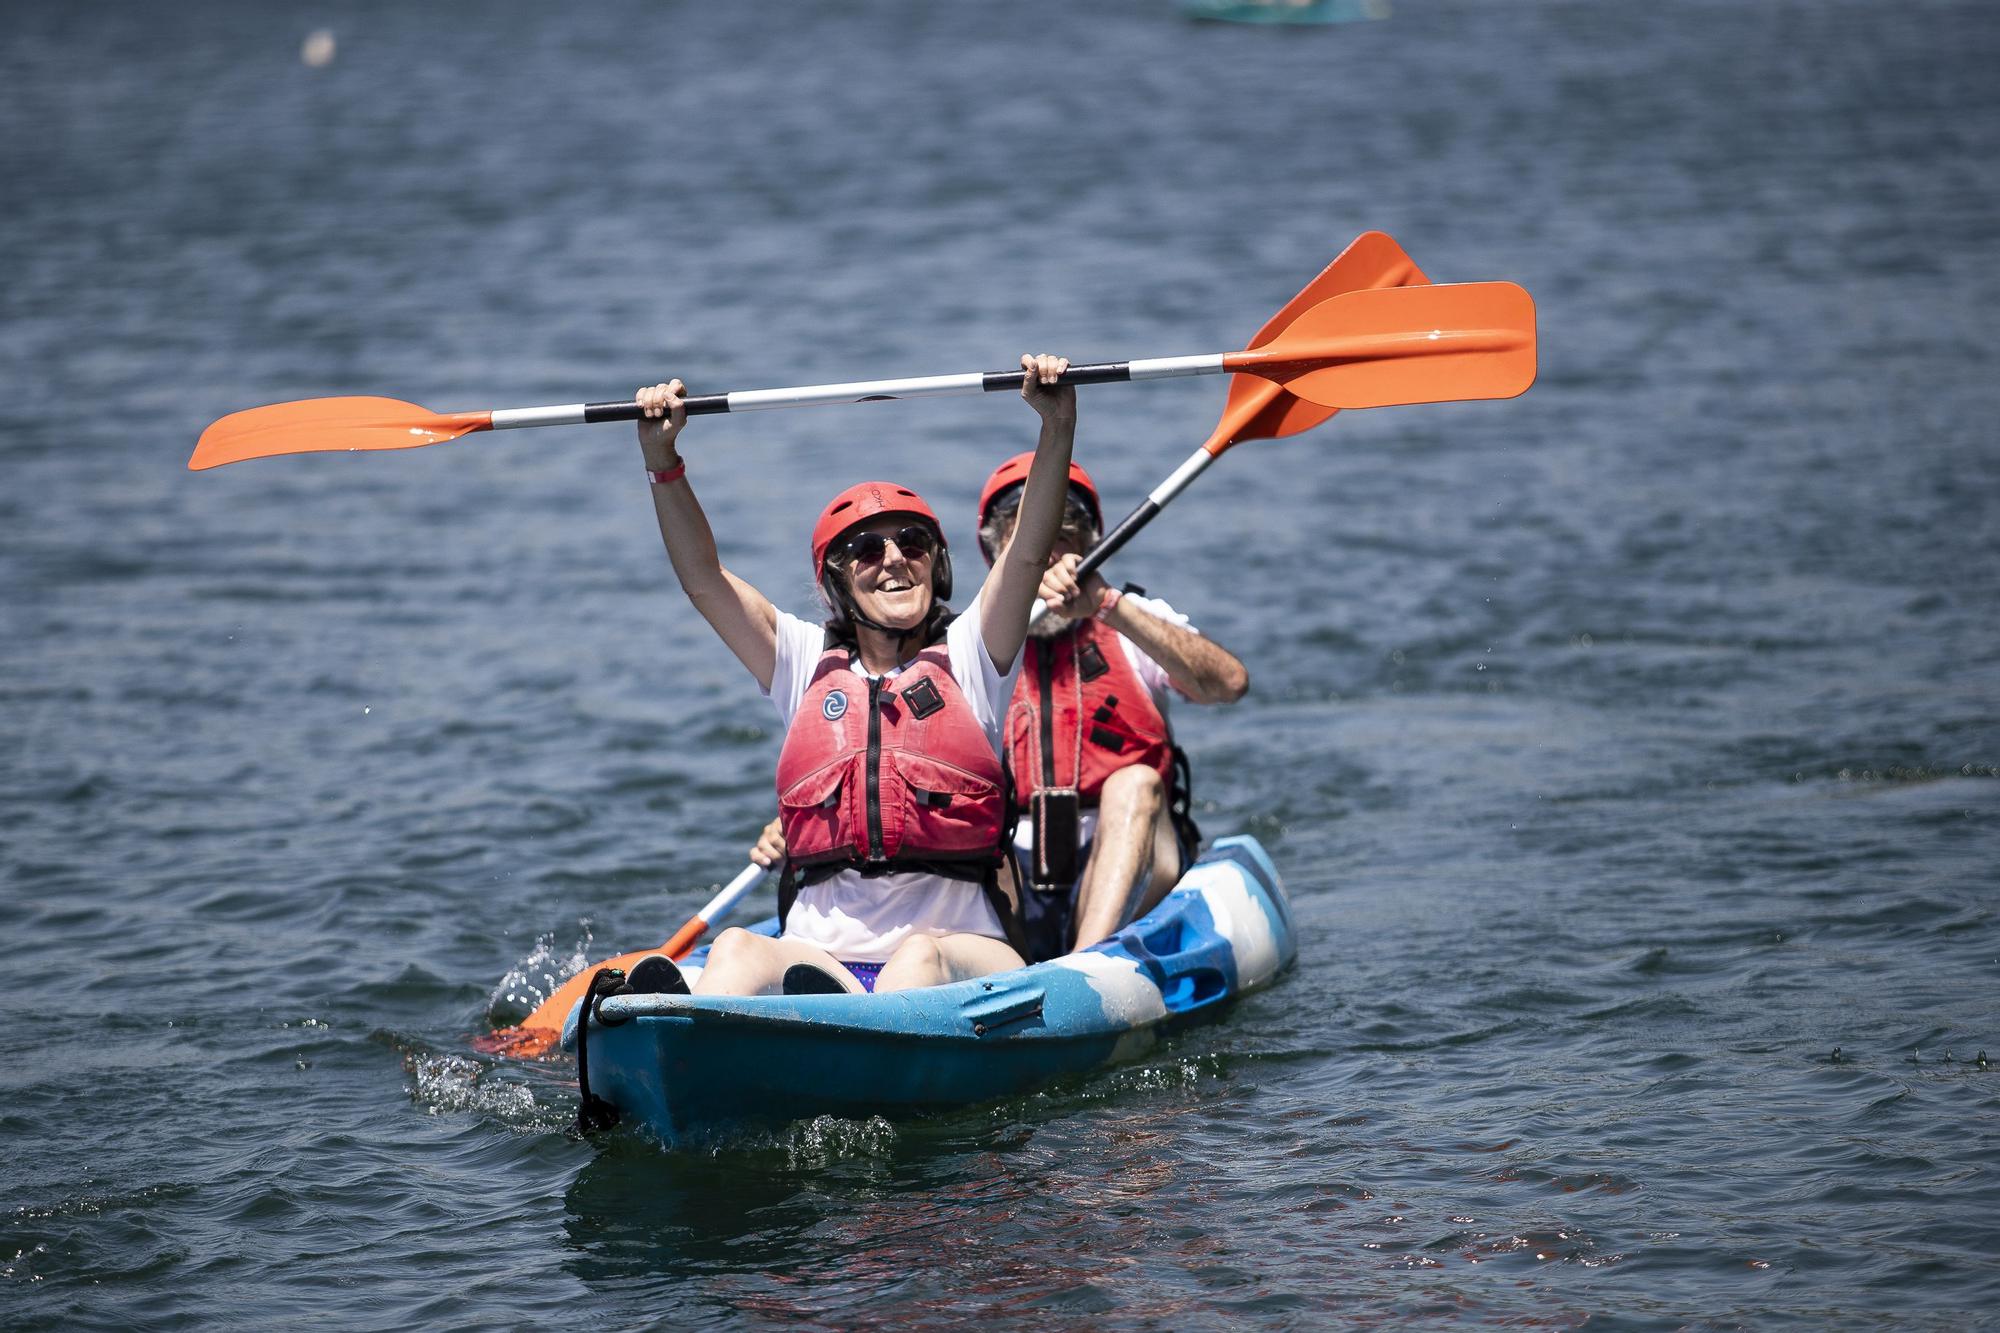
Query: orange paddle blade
x=1403, y=345
x=1372, y=260
x=315, y=425
x=1259, y=409
x=540, y=1032
x=521, y=1043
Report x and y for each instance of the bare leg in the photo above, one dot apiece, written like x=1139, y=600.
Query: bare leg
x=742, y=963
x=1167, y=867
x=933, y=960
x=1133, y=859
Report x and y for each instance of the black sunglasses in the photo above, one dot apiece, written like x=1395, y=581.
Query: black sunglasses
x=868, y=548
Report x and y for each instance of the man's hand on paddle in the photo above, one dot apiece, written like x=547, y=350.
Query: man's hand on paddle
x=1066, y=596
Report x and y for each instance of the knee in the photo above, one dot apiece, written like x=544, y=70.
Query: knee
x=1136, y=788
x=733, y=946
x=919, y=953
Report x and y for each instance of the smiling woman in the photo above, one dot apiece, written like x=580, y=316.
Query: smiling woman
x=891, y=785
x=880, y=572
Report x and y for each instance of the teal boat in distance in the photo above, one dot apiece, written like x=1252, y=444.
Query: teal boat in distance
x=1283, y=11
x=689, y=1068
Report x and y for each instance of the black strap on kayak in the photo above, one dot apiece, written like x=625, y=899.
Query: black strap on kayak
x=594, y=1113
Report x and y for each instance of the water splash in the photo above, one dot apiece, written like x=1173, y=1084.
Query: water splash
x=824, y=1140
x=536, y=977
x=456, y=1085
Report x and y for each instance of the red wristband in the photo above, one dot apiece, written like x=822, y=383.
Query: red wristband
x=674, y=473
x=1111, y=599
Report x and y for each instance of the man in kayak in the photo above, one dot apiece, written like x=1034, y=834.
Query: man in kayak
x=1103, y=790
x=1101, y=787
x=891, y=779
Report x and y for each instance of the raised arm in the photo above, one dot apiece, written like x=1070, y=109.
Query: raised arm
x=742, y=616
x=1011, y=585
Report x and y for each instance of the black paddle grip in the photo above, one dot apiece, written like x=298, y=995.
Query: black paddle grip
x=704, y=405
x=1109, y=372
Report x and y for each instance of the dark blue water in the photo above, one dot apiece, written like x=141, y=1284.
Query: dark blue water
x=1630, y=749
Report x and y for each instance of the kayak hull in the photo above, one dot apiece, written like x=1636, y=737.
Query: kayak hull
x=686, y=1067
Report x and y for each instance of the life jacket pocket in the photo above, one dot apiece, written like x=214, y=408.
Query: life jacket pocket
x=949, y=811
x=811, y=812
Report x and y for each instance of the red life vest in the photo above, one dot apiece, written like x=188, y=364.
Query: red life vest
x=892, y=774
x=1080, y=713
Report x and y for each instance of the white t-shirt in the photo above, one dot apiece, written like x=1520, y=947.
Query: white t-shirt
x=1152, y=675
x=862, y=919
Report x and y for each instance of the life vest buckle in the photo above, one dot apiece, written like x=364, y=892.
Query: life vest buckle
x=924, y=698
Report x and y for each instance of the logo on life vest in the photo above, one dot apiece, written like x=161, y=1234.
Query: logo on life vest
x=835, y=706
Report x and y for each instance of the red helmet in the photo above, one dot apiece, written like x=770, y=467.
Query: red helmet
x=858, y=504
x=1014, y=472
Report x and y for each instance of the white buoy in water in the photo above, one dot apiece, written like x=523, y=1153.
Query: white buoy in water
x=318, y=49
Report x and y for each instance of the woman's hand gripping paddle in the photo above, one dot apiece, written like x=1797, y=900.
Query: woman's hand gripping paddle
x=1351, y=349
x=540, y=1032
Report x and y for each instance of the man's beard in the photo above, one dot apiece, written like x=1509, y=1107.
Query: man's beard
x=1049, y=625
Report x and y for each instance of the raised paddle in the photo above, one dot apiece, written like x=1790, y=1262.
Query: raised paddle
x=1266, y=408
x=1261, y=409
x=538, y=1033
x=1356, y=349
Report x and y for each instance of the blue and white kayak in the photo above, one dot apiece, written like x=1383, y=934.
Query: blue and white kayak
x=686, y=1066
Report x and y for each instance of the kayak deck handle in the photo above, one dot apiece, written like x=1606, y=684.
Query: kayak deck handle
x=1000, y=1008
